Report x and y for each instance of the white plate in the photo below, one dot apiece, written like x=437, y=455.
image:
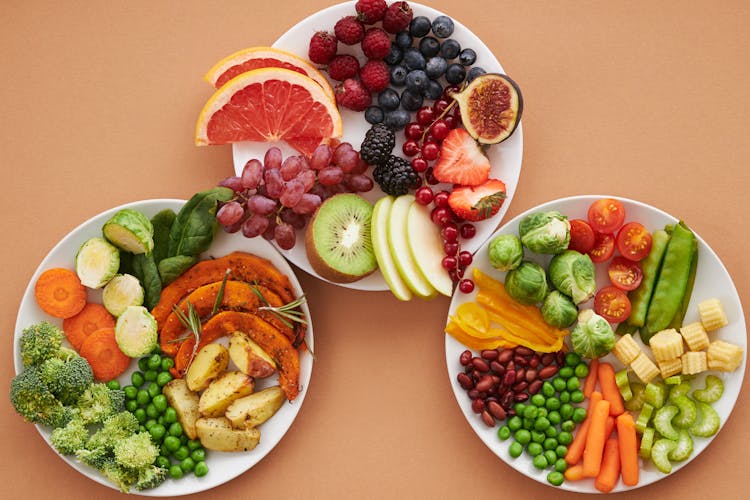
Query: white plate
x=222, y=466
x=504, y=157
x=712, y=280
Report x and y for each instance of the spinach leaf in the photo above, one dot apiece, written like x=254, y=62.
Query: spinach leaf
x=195, y=225
x=144, y=268
x=171, y=267
x=162, y=223
x=126, y=263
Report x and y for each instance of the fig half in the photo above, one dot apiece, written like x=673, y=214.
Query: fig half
x=491, y=107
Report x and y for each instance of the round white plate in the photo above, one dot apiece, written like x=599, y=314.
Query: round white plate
x=222, y=466
x=504, y=157
x=712, y=280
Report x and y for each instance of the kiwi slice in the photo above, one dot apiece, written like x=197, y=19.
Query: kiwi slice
x=338, y=241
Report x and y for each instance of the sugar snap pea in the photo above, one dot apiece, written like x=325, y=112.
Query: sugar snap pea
x=680, y=316
x=641, y=296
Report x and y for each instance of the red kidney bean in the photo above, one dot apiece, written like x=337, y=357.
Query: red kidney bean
x=473, y=394
x=497, y=368
x=490, y=354
x=480, y=364
x=510, y=413
x=530, y=375
x=520, y=397
x=520, y=386
x=477, y=406
x=510, y=377
x=520, y=361
x=465, y=357
x=535, y=386
x=482, y=395
x=496, y=379
x=488, y=419
x=560, y=358
x=523, y=350
x=465, y=381
x=534, y=361
x=505, y=356
x=496, y=410
x=484, y=383
x=520, y=374
x=507, y=400
x=547, y=372
x=502, y=389
x=475, y=375
x=547, y=358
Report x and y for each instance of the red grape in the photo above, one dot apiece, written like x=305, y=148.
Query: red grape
x=285, y=235
x=289, y=216
x=359, y=183
x=330, y=176
x=361, y=166
x=274, y=182
x=272, y=159
x=261, y=205
x=321, y=157
x=254, y=225
x=252, y=173
x=307, y=204
x=291, y=168
x=230, y=213
x=307, y=178
x=292, y=192
x=234, y=183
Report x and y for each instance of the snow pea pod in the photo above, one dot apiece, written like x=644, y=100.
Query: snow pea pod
x=641, y=296
x=680, y=316
x=672, y=282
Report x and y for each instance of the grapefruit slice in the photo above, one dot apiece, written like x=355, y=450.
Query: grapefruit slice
x=263, y=57
x=269, y=104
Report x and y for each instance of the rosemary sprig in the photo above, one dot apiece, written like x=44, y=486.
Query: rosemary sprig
x=192, y=322
x=286, y=313
x=220, y=295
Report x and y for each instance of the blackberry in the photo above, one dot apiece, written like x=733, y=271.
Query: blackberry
x=378, y=143
x=396, y=176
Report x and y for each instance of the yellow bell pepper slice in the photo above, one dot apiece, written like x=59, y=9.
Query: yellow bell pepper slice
x=455, y=331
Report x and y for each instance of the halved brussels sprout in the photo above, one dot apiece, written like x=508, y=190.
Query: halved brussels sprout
x=122, y=291
x=135, y=331
x=97, y=261
x=130, y=230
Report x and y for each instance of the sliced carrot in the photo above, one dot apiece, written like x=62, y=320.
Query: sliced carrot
x=610, y=470
x=592, y=453
x=574, y=473
x=59, y=292
x=575, y=449
x=628, y=449
x=610, y=391
x=589, y=385
x=92, y=317
x=104, y=355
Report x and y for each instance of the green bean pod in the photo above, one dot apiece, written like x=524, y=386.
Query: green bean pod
x=680, y=316
x=641, y=296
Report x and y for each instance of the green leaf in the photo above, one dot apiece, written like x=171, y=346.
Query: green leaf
x=162, y=223
x=144, y=268
x=171, y=267
x=193, y=229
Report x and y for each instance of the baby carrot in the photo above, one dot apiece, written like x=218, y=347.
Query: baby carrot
x=610, y=470
x=59, y=292
x=609, y=427
x=92, y=317
x=575, y=449
x=628, y=449
x=592, y=452
x=589, y=385
x=611, y=393
x=574, y=472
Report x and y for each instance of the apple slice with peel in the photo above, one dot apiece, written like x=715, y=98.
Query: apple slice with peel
x=426, y=248
x=398, y=241
x=379, y=234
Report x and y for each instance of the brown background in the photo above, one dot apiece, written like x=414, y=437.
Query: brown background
x=642, y=99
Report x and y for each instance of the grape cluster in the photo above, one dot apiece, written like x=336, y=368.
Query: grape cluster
x=277, y=196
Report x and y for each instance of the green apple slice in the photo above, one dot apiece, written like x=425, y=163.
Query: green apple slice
x=426, y=248
x=379, y=233
x=398, y=241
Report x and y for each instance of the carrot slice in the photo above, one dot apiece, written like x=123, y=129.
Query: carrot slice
x=610, y=468
x=92, y=317
x=589, y=385
x=575, y=450
x=59, y=292
x=610, y=391
x=104, y=355
x=595, y=439
x=628, y=449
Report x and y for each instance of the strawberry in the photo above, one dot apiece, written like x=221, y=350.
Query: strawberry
x=349, y=30
x=323, y=46
x=397, y=17
x=370, y=11
x=461, y=160
x=475, y=203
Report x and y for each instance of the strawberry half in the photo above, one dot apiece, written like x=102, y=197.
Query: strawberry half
x=480, y=202
x=461, y=160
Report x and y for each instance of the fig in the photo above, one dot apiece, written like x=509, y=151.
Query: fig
x=491, y=107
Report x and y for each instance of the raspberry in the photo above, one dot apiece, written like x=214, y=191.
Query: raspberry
x=323, y=46
x=370, y=11
x=375, y=76
x=343, y=67
x=349, y=30
x=353, y=95
x=397, y=17
x=376, y=44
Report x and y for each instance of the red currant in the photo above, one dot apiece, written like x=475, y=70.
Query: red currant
x=429, y=176
x=449, y=233
x=457, y=112
x=430, y=151
x=441, y=216
x=425, y=115
x=410, y=147
x=424, y=195
x=449, y=263
x=450, y=249
x=468, y=231
x=440, y=106
x=453, y=275
x=413, y=130
x=465, y=258
x=440, y=130
x=451, y=121
x=419, y=164
x=466, y=286
x=451, y=89
x=441, y=199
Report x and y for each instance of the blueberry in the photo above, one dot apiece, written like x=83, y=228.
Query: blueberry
x=429, y=46
x=388, y=99
x=455, y=74
x=442, y=26
x=394, y=56
x=467, y=57
x=417, y=81
x=419, y=26
x=434, y=90
x=397, y=119
x=475, y=72
x=403, y=39
x=398, y=75
x=413, y=59
x=374, y=115
x=450, y=48
x=410, y=101
x=435, y=67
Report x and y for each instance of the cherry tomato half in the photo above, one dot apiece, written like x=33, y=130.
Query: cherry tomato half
x=606, y=215
x=612, y=304
x=634, y=241
x=581, y=236
x=625, y=274
x=604, y=247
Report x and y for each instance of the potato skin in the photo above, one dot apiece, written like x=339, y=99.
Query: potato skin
x=185, y=403
x=253, y=410
x=208, y=364
x=249, y=357
x=222, y=391
x=219, y=435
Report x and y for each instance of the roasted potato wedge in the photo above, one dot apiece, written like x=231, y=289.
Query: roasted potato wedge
x=209, y=363
x=221, y=392
x=218, y=434
x=249, y=357
x=253, y=410
x=185, y=403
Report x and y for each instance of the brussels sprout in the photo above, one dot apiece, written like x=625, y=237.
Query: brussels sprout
x=130, y=230
x=573, y=274
x=527, y=283
x=545, y=232
x=593, y=336
x=122, y=291
x=558, y=310
x=97, y=262
x=506, y=252
x=135, y=331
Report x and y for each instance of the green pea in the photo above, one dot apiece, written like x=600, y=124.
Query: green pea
x=184, y=440
x=149, y=375
x=142, y=398
x=166, y=364
x=548, y=389
x=158, y=431
x=141, y=428
x=201, y=469
x=540, y=462
x=550, y=456
x=175, y=429
x=537, y=400
x=565, y=438
x=573, y=384
x=519, y=407
x=140, y=415
x=113, y=385
x=530, y=412
x=149, y=423
x=579, y=415
x=555, y=478
x=136, y=379
x=566, y=411
x=131, y=405
x=551, y=431
x=154, y=362
x=572, y=359
x=561, y=465
x=153, y=390
x=181, y=453
x=568, y=426
x=175, y=471
x=156, y=350
x=538, y=437
x=151, y=411
x=542, y=412
x=187, y=465
x=523, y=436
x=534, y=449
x=198, y=455
x=581, y=371
x=559, y=384
x=564, y=397
x=503, y=432
x=554, y=417
x=550, y=444
x=163, y=462
x=577, y=396
x=163, y=378
x=194, y=444
x=170, y=415
x=130, y=391
x=160, y=419
x=143, y=364
x=171, y=443
x=561, y=450
x=514, y=450
x=515, y=423
x=160, y=402
x=528, y=423
x=566, y=372
x=552, y=404
x=541, y=424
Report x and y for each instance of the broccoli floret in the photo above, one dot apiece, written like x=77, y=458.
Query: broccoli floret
x=116, y=427
x=95, y=457
x=39, y=342
x=34, y=402
x=123, y=477
x=71, y=438
x=67, y=380
x=99, y=402
x=151, y=477
x=136, y=451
